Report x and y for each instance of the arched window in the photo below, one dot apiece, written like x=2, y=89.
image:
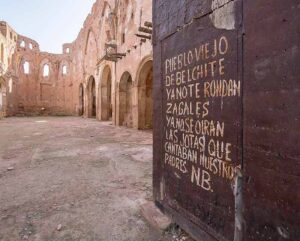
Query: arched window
x=22, y=44
x=10, y=85
x=2, y=53
x=46, y=70
x=64, y=70
x=67, y=50
x=26, y=67
x=30, y=46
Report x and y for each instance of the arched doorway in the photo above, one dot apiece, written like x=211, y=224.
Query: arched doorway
x=91, y=97
x=106, y=99
x=125, y=100
x=145, y=101
x=81, y=100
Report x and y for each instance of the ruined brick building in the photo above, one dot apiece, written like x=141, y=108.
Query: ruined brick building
x=105, y=73
x=225, y=91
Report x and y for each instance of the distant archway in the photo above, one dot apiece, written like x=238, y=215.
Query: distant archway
x=106, y=95
x=91, y=97
x=145, y=101
x=81, y=100
x=125, y=100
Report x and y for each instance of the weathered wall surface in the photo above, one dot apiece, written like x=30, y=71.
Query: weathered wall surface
x=197, y=58
x=27, y=90
x=226, y=118
x=37, y=92
x=91, y=84
x=112, y=24
x=8, y=41
x=271, y=120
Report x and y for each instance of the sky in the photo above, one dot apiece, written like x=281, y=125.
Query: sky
x=49, y=22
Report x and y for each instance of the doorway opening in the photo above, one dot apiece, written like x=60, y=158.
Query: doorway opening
x=81, y=100
x=91, y=89
x=106, y=95
x=125, y=100
x=145, y=100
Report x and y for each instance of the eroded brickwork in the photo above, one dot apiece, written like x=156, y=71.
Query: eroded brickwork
x=8, y=40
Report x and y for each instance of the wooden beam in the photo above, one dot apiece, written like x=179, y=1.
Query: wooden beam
x=118, y=54
x=145, y=30
x=143, y=36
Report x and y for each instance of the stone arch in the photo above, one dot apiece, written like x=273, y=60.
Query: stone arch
x=91, y=97
x=109, y=24
x=22, y=43
x=26, y=67
x=64, y=68
x=90, y=52
x=106, y=28
x=125, y=100
x=145, y=100
x=90, y=36
x=46, y=69
x=25, y=62
x=81, y=100
x=10, y=85
x=106, y=94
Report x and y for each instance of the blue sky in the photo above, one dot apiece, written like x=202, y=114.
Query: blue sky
x=50, y=22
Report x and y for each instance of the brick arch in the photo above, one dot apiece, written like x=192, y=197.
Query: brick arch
x=125, y=103
x=91, y=107
x=61, y=66
x=144, y=82
x=22, y=61
x=42, y=65
x=105, y=90
x=90, y=52
x=108, y=24
x=90, y=33
x=81, y=99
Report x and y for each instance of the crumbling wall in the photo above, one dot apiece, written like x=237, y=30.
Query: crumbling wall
x=36, y=92
x=117, y=25
x=107, y=43
x=8, y=40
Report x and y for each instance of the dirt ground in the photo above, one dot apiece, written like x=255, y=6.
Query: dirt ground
x=74, y=179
